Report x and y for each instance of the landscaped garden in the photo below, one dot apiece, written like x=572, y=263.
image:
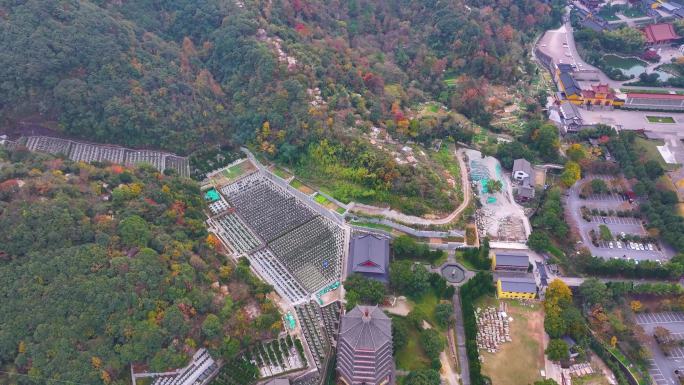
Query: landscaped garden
x=660, y=119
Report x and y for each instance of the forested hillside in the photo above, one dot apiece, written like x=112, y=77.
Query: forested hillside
x=280, y=75
x=102, y=267
x=154, y=73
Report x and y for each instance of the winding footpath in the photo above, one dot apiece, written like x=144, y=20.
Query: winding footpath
x=413, y=220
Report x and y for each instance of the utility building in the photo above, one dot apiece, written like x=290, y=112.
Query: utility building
x=507, y=261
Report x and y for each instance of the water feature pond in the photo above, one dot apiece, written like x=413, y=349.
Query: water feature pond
x=453, y=273
x=632, y=66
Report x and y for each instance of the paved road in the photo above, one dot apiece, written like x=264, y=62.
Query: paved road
x=560, y=45
x=460, y=340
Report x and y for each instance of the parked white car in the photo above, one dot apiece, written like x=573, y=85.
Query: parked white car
x=618, y=244
x=650, y=247
x=641, y=247
x=610, y=244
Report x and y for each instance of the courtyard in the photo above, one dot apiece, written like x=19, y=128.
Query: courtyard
x=525, y=348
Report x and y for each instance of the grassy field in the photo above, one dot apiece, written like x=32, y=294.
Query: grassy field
x=412, y=356
x=450, y=82
x=649, y=149
x=660, y=119
x=427, y=306
x=281, y=173
x=526, y=350
x=301, y=187
x=448, y=160
x=320, y=199
x=373, y=225
x=593, y=379
x=237, y=170
x=608, y=14
x=464, y=262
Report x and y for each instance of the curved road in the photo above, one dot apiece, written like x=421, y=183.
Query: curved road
x=560, y=45
x=413, y=220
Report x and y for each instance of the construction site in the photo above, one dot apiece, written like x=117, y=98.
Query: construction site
x=500, y=218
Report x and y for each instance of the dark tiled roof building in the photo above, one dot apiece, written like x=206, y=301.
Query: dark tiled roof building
x=364, y=349
x=369, y=256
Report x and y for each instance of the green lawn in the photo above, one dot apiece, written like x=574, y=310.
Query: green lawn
x=427, y=305
x=373, y=225
x=340, y=210
x=320, y=199
x=412, y=356
x=608, y=15
x=447, y=159
x=450, y=82
x=605, y=233
x=296, y=183
x=650, y=151
x=525, y=350
x=660, y=119
x=234, y=171
x=281, y=173
x=464, y=262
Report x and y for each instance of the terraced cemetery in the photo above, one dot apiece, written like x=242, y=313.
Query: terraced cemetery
x=288, y=243
x=87, y=152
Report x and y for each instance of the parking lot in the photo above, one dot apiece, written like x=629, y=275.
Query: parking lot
x=660, y=367
x=616, y=220
x=606, y=197
x=617, y=225
x=660, y=318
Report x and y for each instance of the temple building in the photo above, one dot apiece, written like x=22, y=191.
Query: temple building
x=364, y=348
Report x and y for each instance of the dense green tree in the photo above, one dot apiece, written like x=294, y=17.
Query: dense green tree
x=423, y=377
x=599, y=186
x=400, y=333
x=363, y=290
x=409, y=278
x=134, y=231
x=432, y=343
x=594, y=291
x=557, y=350
x=443, y=313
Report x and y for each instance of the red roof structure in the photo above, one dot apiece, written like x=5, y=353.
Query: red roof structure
x=660, y=33
x=600, y=89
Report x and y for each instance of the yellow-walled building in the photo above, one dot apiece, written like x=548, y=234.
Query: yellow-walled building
x=516, y=288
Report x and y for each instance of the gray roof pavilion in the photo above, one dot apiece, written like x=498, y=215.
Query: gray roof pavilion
x=369, y=254
x=519, y=285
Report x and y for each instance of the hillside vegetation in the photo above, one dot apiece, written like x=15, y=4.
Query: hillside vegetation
x=90, y=285
x=284, y=76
